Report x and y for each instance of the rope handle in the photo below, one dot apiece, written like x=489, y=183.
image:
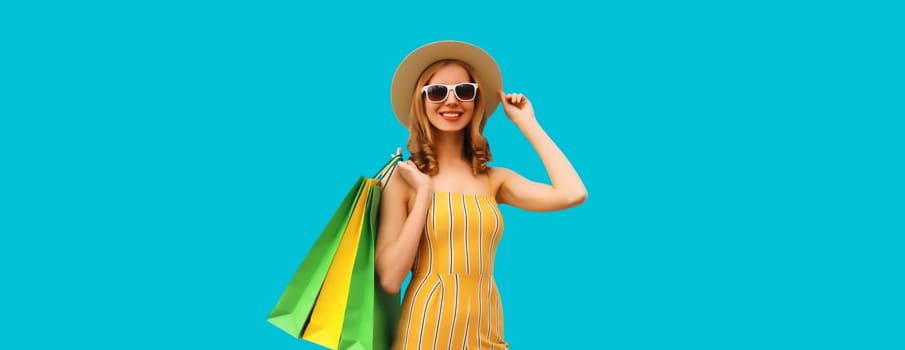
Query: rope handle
x=387, y=170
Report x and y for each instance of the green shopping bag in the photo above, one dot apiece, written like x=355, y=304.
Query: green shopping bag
x=294, y=308
x=325, y=325
x=371, y=312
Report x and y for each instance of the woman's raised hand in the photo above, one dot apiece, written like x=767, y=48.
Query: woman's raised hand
x=517, y=107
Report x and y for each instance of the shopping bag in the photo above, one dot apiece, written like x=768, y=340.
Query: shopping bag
x=371, y=312
x=294, y=307
x=329, y=320
x=314, y=305
x=326, y=322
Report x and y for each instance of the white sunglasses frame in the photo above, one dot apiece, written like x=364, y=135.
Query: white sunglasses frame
x=448, y=89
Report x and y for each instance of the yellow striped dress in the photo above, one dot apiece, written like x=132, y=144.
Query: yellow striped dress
x=452, y=300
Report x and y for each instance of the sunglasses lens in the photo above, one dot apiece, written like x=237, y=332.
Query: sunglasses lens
x=436, y=93
x=465, y=92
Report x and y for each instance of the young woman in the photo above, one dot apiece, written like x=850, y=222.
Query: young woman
x=439, y=214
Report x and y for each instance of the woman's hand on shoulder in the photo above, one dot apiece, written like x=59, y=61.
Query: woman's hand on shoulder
x=416, y=180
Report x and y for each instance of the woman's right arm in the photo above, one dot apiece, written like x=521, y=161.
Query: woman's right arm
x=399, y=230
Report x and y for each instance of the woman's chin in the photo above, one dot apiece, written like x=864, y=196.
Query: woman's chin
x=450, y=124
x=450, y=128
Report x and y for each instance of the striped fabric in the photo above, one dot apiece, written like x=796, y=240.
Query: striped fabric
x=452, y=300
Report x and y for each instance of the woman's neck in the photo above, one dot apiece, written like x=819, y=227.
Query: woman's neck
x=448, y=147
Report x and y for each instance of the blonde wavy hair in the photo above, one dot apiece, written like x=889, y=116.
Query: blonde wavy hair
x=476, y=149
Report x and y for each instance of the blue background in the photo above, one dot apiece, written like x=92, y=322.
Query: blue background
x=166, y=165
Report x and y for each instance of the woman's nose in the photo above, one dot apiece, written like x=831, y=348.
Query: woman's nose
x=451, y=99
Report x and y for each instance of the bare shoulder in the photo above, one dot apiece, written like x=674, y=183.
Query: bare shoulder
x=396, y=190
x=498, y=173
x=498, y=176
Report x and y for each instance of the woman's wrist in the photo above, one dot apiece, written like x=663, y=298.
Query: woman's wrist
x=423, y=193
x=526, y=123
x=529, y=126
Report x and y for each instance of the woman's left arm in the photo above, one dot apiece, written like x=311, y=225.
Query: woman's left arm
x=567, y=189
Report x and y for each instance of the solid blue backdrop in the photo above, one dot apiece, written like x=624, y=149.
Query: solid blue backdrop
x=166, y=165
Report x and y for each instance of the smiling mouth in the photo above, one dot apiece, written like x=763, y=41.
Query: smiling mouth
x=451, y=116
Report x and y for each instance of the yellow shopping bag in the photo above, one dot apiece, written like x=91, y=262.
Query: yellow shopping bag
x=315, y=305
x=326, y=322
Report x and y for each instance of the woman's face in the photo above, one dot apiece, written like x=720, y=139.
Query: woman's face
x=450, y=114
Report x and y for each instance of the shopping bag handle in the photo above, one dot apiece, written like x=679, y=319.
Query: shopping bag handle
x=388, y=169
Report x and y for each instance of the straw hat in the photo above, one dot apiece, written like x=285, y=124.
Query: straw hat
x=406, y=76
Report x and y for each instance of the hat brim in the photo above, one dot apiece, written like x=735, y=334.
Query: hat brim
x=485, y=69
